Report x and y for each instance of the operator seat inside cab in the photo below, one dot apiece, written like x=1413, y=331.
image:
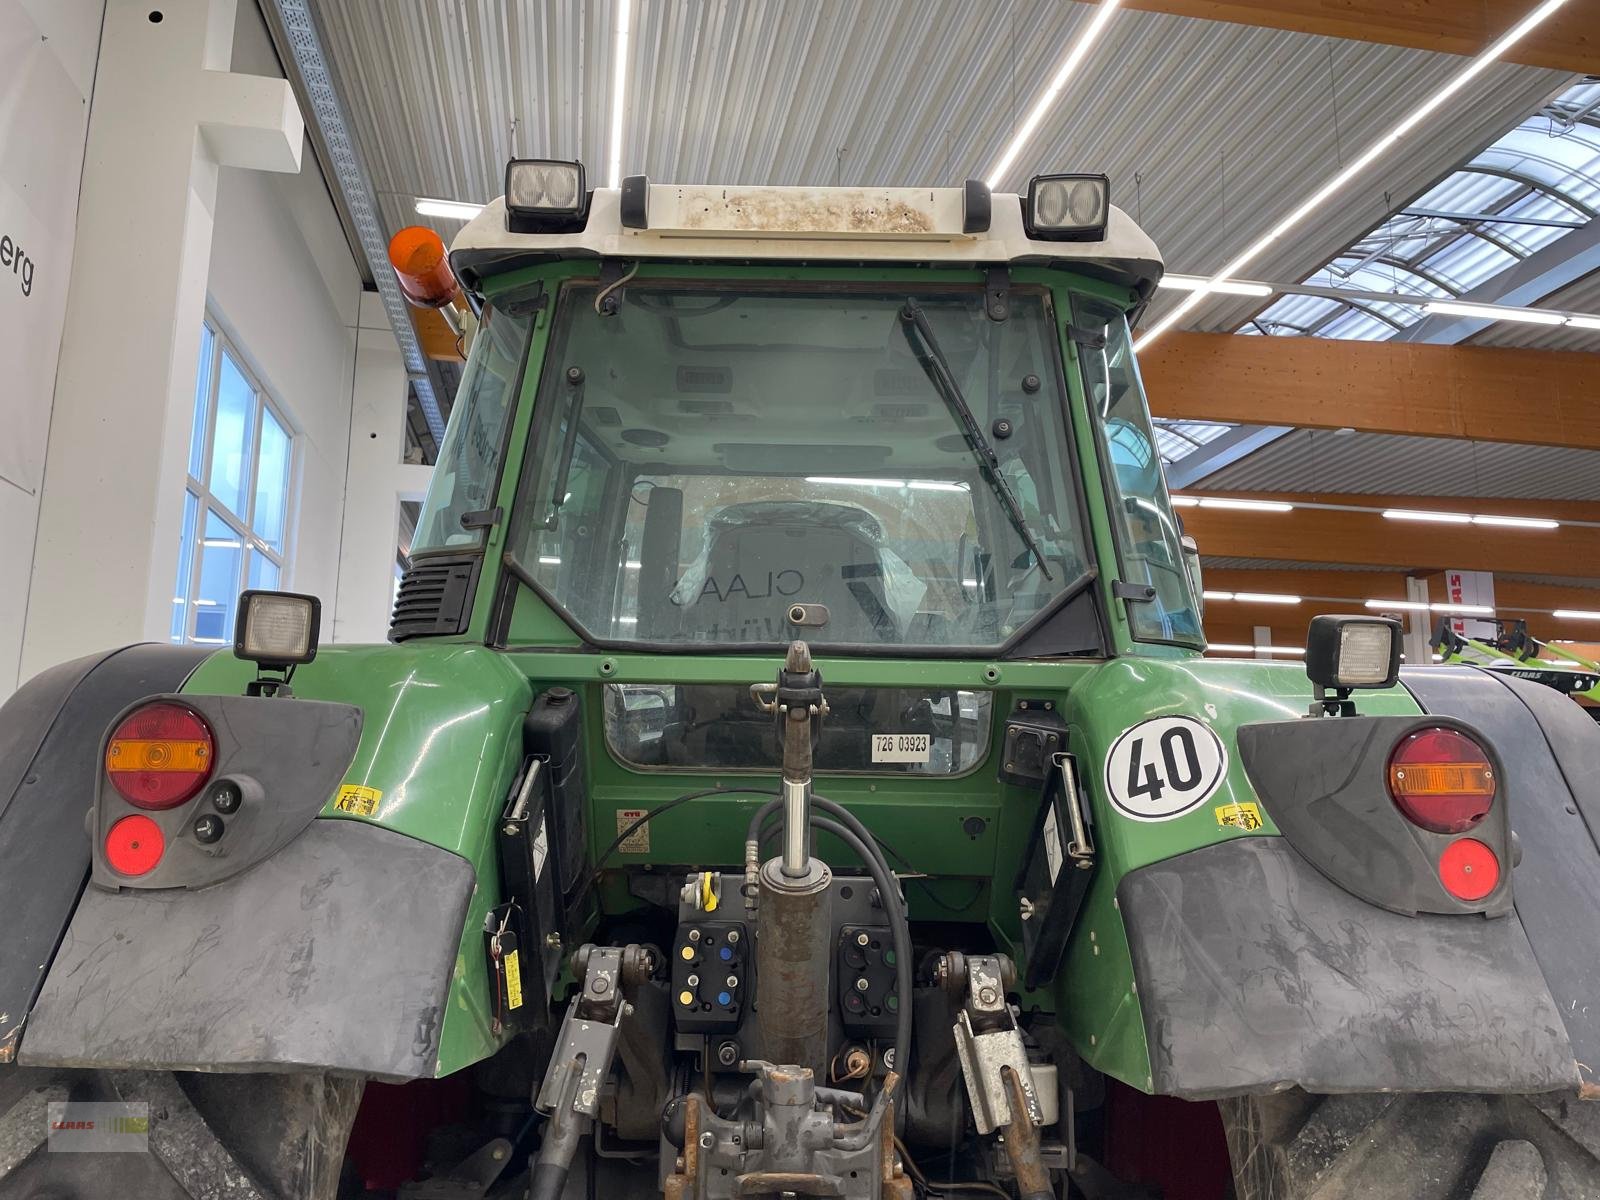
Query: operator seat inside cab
x=763, y=556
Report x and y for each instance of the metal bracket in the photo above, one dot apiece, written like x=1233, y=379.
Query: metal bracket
x=587, y=1042
x=1087, y=338
x=482, y=518
x=1081, y=848
x=1139, y=593
x=611, y=273
x=988, y=1042
x=997, y=294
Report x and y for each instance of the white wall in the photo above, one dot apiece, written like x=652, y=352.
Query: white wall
x=284, y=285
x=280, y=279
x=47, y=58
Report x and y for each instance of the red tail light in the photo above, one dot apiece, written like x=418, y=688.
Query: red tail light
x=134, y=846
x=1468, y=869
x=1441, y=780
x=160, y=755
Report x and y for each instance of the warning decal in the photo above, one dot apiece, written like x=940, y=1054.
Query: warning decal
x=361, y=801
x=1244, y=816
x=513, y=980
x=1164, y=768
x=637, y=842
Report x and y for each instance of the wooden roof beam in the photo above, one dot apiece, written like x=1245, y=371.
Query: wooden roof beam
x=1568, y=41
x=1486, y=393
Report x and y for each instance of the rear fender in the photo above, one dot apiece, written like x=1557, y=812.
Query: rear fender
x=50, y=738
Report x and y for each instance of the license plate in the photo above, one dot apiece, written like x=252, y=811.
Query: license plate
x=900, y=747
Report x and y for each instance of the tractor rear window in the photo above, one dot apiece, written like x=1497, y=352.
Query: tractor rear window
x=711, y=462
x=884, y=731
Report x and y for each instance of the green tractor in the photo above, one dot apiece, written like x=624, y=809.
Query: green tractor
x=795, y=772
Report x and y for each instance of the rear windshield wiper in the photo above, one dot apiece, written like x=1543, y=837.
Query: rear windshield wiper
x=568, y=445
x=926, y=347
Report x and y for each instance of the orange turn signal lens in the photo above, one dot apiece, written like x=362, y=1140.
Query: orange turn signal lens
x=160, y=755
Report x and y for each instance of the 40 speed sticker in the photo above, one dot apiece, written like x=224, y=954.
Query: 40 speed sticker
x=1163, y=768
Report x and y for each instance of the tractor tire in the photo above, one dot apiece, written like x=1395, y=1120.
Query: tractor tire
x=1413, y=1146
x=211, y=1137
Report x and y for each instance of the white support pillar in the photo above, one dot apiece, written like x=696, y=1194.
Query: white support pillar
x=376, y=482
x=166, y=114
x=1419, y=625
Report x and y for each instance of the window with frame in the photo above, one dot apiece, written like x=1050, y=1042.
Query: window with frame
x=237, y=496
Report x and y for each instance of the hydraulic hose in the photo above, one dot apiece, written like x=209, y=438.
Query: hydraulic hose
x=899, y=923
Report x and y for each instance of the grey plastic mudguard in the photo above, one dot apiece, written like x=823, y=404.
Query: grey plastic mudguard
x=335, y=953
x=1256, y=971
x=1549, y=749
x=50, y=738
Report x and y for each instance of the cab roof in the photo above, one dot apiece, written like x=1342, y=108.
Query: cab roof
x=707, y=223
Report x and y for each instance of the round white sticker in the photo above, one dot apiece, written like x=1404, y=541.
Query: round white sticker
x=1164, y=767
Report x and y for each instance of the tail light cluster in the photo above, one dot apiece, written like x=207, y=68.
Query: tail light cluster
x=158, y=757
x=1442, y=781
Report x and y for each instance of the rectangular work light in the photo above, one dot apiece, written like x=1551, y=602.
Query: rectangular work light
x=277, y=630
x=1068, y=208
x=545, y=196
x=1353, y=652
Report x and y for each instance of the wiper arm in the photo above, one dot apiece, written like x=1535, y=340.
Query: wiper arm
x=926, y=347
x=568, y=445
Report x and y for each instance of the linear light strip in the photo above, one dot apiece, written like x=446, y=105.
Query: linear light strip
x=1360, y=162
x=619, y=89
x=1030, y=124
x=1492, y=520
x=449, y=210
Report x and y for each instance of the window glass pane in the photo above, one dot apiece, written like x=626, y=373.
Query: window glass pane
x=221, y=553
x=202, y=397
x=229, y=479
x=469, y=460
x=699, y=493
x=1147, y=534
x=263, y=571
x=272, y=481
x=180, y=589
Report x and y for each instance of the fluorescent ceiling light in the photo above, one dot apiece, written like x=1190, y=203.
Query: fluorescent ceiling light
x=1075, y=56
x=631, y=565
x=1396, y=605
x=1416, y=514
x=1362, y=161
x=450, y=210
x=936, y=485
x=1185, y=502
x=1584, y=322
x=846, y=481
x=1577, y=614
x=1233, y=287
x=1471, y=610
x=1493, y=312
x=627, y=620
x=1266, y=598
x=1208, y=595
x=619, y=89
x=1275, y=506
x=548, y=561
x=1518, y=522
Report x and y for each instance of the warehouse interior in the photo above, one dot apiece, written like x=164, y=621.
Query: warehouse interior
x=1372, y=366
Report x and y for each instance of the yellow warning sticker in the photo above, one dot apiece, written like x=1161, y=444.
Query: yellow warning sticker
x=513, y=980
x=362, y=801
x=1241, y=816
x=637, y=842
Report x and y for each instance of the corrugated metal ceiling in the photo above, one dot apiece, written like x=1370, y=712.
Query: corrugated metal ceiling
x=1208, y=130
x=1324, y=461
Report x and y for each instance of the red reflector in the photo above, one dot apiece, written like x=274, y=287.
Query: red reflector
x=1441, y=780
x=134, y=846
x=1468, y=869
x=160, y=755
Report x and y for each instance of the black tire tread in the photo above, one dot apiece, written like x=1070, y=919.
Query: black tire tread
x=1412, y=1146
